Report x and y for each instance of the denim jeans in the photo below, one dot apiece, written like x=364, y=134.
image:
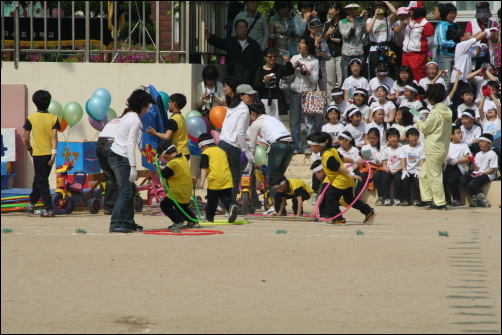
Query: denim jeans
x=279, y=157
x=295, y=116
x=40, y=186
x=111, y=191
x=313, y=123
x=344, y=63
x=123, y=212
x=445, y=62
x=234, y=160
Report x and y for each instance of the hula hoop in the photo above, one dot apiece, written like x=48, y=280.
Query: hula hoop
x=172, y=197
x=319, y=200
x=223, y=222
x=183, y=232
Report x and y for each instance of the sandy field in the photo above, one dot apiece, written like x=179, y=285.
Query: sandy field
x=397, y=276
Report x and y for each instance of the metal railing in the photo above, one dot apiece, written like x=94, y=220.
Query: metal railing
x=90, y=37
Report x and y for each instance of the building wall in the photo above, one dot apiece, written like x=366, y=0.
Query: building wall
x=69, y=82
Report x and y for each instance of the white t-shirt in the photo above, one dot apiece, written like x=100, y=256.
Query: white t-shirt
x=479, y=81
x=487, y=160
x=333, y=129
x=413, y=155
x=387, y=106
x=127, y=137
x=371, y=154
x=393, y=157
x=380, y=127
x=470, y=135
x=374, y=83
x=491, y=127
x=351, y=83
x=463, y=60
x=457, y=151
x=424, y=82
x=353, y=153
x=463, y=107
x=381, y=32
x=343, y=108
x=365, y=110
x=399, y=91
x=110, y=128
x=357, y=133
x=416, y=105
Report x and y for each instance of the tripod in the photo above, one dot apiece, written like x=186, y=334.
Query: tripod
x=141, y=24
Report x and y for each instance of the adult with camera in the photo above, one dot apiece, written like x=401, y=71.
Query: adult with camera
x=209, y=91
x=379, y=29
x=267, y=81
x=352, y=29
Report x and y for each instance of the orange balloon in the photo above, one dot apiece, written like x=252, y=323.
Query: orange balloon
x=217, y=116
x=63, y=125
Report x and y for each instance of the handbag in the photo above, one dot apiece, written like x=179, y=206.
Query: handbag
x=314, y=102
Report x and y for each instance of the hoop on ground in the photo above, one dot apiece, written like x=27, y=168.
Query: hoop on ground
x=185, y=232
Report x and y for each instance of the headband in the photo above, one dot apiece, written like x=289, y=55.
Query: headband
x=385, y=87
x=317, y=169
x=333, y=107
x=431, y=63
x=355, y=60
x=383, y=73
x=347, y=137
x=165, y=151
x=353, y=112
x=482, y=138
x=468, y=114
x=377, y=109
x=206, y=142
x=315, y=143
x=336, y=93
x=281, y=183
x=411, y=88
x=360, y=92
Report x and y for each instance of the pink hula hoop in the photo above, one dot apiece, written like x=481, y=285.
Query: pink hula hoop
x=319, y=200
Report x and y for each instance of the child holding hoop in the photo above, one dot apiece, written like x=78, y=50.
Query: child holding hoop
x=177, y=172
x=341, y=179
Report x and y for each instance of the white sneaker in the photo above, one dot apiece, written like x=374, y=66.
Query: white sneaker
x=271, y=210
x=397, y=202
x=314, y=199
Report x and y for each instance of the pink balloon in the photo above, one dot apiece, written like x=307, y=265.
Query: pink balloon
x=216, y=136
x=207, y=122
x=98, y=125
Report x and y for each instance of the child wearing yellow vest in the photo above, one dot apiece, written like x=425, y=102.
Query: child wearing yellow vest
x=341, y=178
x=292, y=188
x=176, y=131
x=215, y=167
x=179, y=179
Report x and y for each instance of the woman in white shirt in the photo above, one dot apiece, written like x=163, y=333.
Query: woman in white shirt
x=122, y=160
x=209, y=91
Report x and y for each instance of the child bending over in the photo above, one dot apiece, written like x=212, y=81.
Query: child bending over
x=291, y=188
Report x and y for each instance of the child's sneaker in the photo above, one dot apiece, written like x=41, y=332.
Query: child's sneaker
x=178, y=225
x=338, y=222
x=379, y=202
x=482, y=201
x=474, y=202
x=455, y=203
x=405, y=203
x=387, y=202
x=193, y=224
x=234, y=211
x=271, y=210
x=314, y=199
x=30, y=208
x=48, y=214
x=370, y=217
x=397, y=202
x=416, y=203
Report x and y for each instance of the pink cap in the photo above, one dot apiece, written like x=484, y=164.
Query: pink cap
x=402, y=11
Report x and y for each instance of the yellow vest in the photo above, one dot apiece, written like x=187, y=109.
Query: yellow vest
x=180, y=136
x=339, y=180
x=180, y=184
x=219, y=174
x=295, y=184
x=41, y=129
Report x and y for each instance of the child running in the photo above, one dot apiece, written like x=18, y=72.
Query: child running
x=177, y=174
x=341, y=179
x=214, y=166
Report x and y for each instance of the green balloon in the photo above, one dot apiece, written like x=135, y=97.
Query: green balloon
x=260, y=155
x=73, y=113
x=55, y=108
x=165, y=99
x=192, y=113
x=110, y=115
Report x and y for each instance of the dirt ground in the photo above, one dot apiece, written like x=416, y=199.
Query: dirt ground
x=397, y=276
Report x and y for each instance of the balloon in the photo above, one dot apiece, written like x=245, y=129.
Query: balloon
x=208, y=124
x=110, y=115
x=98, y=125
x=192, y=113
x=165, y=99
x=194, y=148
x=244, y=159
x=97, y=108
x=73, y=113
x=103, y=93
x=260, y=155
x=217, y=116
x=216, y=136
x=63, y=125
x=195, y=127
x=55, y=108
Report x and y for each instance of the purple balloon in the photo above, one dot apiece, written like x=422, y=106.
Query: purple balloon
x=208, y=124
x=244, y=159
x=98, y=125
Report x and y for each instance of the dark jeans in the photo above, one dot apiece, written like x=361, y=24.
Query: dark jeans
x=473, y=186
x=294, y=200
x=405, y=188
x=169, y=208
x=323, y=209
x=377, y=181
x=333, y=196
x=40, y=186
x=213, y=196
x=279, y=157
x=123, y=212
x=386, y=179
x=451, y=182
x=234, y=160
x=111, y=190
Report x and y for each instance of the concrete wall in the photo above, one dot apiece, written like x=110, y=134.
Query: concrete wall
x=69, y=82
